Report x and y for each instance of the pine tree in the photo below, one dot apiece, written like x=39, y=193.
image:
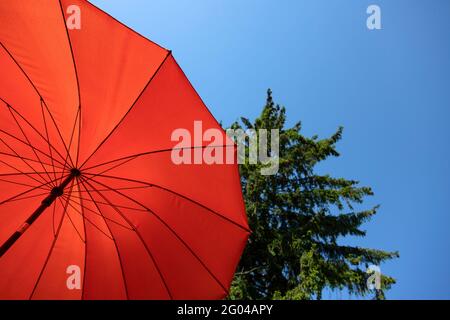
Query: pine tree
x=297, y=217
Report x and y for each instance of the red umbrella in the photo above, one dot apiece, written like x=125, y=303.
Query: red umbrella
x=92, y=203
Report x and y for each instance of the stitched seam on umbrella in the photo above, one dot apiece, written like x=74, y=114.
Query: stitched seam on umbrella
x=40, y=173
x=155, y=152
x=19, y=183
x=48, y=137
x=14, y=137
x=107, y=204
x=31, y=126
x=198, y=95
x=88, y=220
x=127, y=27
x=129, y=110
x=71, y=141
x=77, y=78
x=143, y=243
x=52, y=246
x=175, y=234
x=38, y=93
x=25, y=192
x=85, y=244
x=98, y=214
x=115, y=245
x=28, y=140
x=21, y=158
x=30, y=197
x=71, y=221
x=180, y=195
x=19, y=173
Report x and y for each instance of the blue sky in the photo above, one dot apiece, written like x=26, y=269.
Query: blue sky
x=389, y=88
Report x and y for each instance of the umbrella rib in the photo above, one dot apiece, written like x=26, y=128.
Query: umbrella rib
x=31, y=126
x=31, y=177
x=169, y=53
x=170, y=229
x=52, y=245
x=71, y=140
x=20, y=173
x=198, y=96
x=48, y=138
x=98, y=214
x=85, y=239
x=77, y=78
x=70, y=219
x=119, y=206
x=53, y=219
x=138, y=234
x=69, y=198
x=177, y=194
x=30, y=197
x=37, y=92
x=28, y=159
x=57, y=129
x=79, y=137
x=28, y=140
x=85, y=233
x=23, y=142
x=114, y=167
x=84, y=226
x=18, y=183
x=23, y=159
x=125, y=26
x=130, y=188
x=28, y=191
x=115, y=244
x=134, y=156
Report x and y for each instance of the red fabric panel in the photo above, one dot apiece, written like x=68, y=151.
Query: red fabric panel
x=217, y=242
x=19, y=138
x=167, y=230
x=17, y=90
x=103, y=271
x=68, y=250
x=14, y=213
x=169, y=103
x=216, y=187
x=42, y=50
x=142, y=278
x=183, y=273
x=114, y=64
x=21, y=266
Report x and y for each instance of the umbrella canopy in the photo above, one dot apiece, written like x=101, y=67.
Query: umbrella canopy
x=88, y=185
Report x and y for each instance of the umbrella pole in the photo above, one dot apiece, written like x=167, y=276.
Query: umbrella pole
x=46, y=203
